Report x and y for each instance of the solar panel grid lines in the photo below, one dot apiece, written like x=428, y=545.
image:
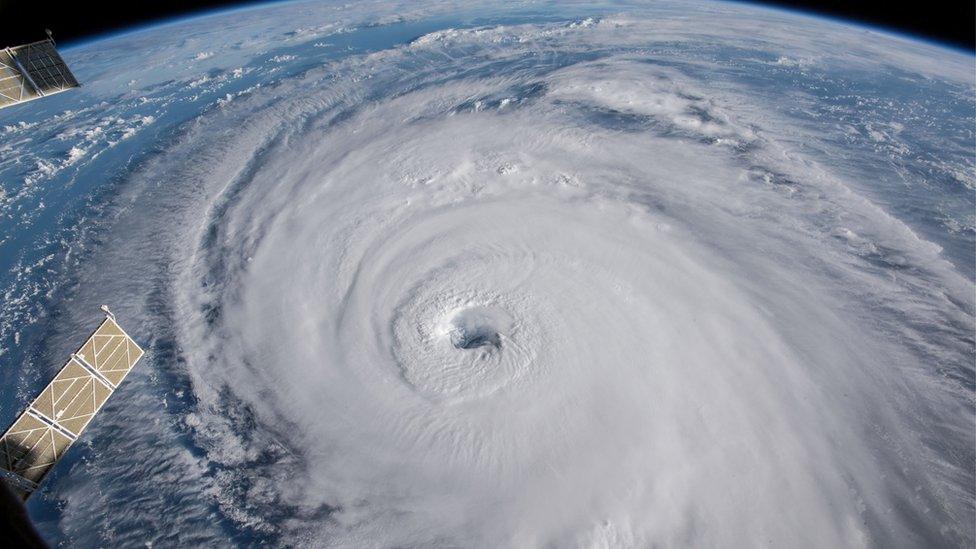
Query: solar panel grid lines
x=14, y=88
x=64, y=408
x=32, y=71
x=45, y=66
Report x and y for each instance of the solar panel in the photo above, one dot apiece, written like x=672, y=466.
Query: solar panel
x=32, y=71
x=57, y=417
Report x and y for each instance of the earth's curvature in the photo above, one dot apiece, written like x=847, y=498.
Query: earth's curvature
x=551, y=275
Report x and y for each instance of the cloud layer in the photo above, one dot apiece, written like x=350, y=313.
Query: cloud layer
x=575, y=283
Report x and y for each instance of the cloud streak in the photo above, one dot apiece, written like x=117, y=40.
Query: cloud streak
x=571, y=284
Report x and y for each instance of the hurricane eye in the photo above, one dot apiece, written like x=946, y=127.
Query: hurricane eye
x=475, y=328
x=481, y=336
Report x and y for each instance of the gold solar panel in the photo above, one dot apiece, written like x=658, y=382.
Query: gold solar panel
x=32, y=71
x=14, y=88
x=110, y=352
x=57, y=417
x=30, y=448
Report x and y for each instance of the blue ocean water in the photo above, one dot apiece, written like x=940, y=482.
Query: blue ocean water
x=73, y=174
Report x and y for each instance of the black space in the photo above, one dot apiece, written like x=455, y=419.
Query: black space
x=951, y=22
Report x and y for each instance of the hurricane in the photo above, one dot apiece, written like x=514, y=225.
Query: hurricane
x=604, y=276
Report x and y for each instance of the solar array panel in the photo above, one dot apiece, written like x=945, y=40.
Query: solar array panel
x=58, y=416
x=32, y=71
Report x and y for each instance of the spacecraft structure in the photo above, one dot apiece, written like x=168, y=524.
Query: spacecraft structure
x=33, y=71
x=42, y=434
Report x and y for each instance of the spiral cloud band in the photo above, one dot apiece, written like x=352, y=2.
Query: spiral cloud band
x=556, y=283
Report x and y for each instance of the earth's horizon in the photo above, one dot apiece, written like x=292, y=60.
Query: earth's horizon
x=603, y=275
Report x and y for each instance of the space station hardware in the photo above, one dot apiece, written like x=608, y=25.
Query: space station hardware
x=32, y=446
x=33, y=71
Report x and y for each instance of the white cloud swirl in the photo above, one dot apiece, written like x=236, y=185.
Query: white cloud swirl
x=533, y=285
